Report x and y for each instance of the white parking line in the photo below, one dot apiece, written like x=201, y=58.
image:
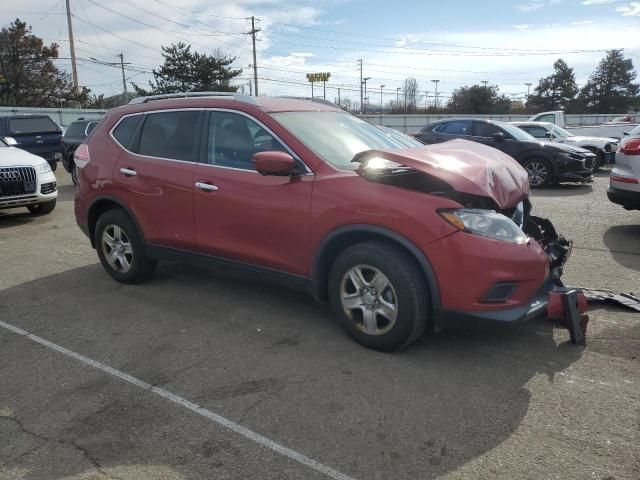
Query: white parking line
x=214, y=417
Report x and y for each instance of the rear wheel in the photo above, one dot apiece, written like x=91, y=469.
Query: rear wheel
x=74, y=173
x=121, y=248
x=43, y=208
x=540, y=172
x=379, y=295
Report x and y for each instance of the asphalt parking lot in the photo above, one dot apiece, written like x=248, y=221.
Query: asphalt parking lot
x=484, y=403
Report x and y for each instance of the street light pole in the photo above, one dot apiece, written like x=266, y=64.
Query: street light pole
x=436, y=93
x=426, y=101
x=381, y=107
x=364, y=81
x=398, y=96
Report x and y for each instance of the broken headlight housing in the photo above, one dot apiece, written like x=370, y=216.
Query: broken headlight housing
x=486, y=223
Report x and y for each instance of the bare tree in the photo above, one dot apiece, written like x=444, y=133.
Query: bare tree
x=410, y=94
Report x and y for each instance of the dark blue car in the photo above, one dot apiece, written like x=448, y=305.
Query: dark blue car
x=36, y=134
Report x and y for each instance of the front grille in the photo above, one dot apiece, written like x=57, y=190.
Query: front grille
x=48, y=188
x=16, y=181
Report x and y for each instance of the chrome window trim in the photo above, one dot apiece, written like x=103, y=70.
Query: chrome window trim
x=308, y=171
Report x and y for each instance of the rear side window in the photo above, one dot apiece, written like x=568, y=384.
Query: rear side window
x=170, y=135
x=481, y=129
x=457, y=127
x=550, y=117
x=90, y=127
x=125, y=129
x=32, y=125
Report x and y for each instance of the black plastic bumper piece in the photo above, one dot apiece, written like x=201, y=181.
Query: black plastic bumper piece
x=627, y=198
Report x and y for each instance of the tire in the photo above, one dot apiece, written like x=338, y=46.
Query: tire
x=597, y=163
x=43, y=208
x=540, y=172
x=116, y=232
x=74, y=173
x=369, y=323
x=53, y=164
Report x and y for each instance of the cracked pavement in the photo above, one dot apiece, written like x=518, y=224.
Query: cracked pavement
x=518, y=403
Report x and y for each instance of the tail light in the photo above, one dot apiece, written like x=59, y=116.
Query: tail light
x=632, y=147
x=617, y=178
x=81, y=156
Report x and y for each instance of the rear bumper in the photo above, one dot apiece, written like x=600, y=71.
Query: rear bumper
x=629, y=199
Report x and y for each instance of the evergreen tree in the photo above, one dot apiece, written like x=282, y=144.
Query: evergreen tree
x=478, y=100
x=610, y=88
x=28, y=76
x=186, y=71
x=557, y=91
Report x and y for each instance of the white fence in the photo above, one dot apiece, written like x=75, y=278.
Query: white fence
x=413, y=123
x=404, y=123
x=62, y=116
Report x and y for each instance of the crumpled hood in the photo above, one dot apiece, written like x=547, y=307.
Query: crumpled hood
x=468, y=167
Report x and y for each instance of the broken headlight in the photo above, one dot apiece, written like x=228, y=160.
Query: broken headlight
x=486, y=223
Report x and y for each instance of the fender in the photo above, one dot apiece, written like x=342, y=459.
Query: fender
x=319, y=274
x=115, y=200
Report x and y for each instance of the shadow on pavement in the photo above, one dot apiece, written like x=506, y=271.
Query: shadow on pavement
x=623, y=241
x=15, y=217
x=269, y=358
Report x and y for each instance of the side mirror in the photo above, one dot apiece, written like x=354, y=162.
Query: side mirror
x=499, y=137
x=626, y=133
x=10, y=141
x=274, y=163
x=548, y=134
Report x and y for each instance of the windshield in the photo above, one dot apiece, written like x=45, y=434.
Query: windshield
x=635, y=131
x=516, y=132
x=336, y=137
x=403, y=138
x=2, y=144
x=561, y=132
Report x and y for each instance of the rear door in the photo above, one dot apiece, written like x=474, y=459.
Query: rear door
x=155, y=175
x=241, y=214
x=38, y=135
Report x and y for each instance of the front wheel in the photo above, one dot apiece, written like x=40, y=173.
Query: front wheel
x=121, y=248
x=540, y=172
x=379, y=295
x=43, y=208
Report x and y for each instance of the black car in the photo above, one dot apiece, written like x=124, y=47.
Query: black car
x=546, y=163
x=36, y=134
x=75, y=134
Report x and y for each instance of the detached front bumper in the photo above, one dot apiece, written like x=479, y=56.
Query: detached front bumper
x=582, y=176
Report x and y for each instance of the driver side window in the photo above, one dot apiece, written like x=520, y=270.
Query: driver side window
x=234, y=139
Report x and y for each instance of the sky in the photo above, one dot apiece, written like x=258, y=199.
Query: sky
x=505, y=43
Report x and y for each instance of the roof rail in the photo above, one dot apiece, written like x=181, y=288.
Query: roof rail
x=314, y=99
x=239, y=97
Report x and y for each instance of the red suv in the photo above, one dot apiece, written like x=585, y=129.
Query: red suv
x=398, y=239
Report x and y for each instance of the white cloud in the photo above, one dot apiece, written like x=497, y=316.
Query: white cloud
x=582, y=22
x=631, y=10
x=597, y=2
x=522, y=27
x=530, y=6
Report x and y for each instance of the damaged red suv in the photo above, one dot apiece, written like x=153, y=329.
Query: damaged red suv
x=399, y=240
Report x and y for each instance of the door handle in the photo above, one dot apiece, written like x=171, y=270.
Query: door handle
x=128, y=172
x=206, y=186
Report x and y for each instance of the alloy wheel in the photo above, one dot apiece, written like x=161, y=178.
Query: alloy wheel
x=538, y=173
x=117, y=250
x=369, y=299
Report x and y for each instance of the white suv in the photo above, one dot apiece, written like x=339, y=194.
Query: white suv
x=624, y=183
x=26, y=180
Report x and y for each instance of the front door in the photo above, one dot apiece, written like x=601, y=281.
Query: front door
x=241, y=214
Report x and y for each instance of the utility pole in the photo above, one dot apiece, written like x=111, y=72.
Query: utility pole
x=339, y=98
x=381, y=106
x=124, y=80
x=361, y=93
x=253, y=32
x=528, y=84
x=398, y=96
x=484, y=82
x=426, y=101
x=436, y=93
x=74, y=68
